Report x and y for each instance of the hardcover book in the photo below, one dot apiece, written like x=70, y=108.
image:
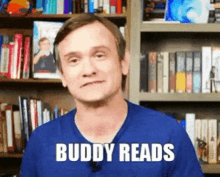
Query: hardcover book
x=206, y=68
x=197, y=73
x=160, y=60
x=165, y=72
x=189, y=69
x=43, y=61
x=180, y=72
x=172, y=74
x=152, y=72
x=216, y=69
x=212, y=141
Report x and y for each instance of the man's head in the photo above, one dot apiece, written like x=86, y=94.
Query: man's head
x=44, y=43
x=89, y=49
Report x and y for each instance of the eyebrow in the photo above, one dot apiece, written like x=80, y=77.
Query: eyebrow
x=93, y=48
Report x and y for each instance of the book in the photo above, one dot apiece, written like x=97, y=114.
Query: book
x=218, y=142
x=212, y=150
x=198, y=136
x=86, y=6
x=189, y=69
x=165, y=72
x=119, y=6
x=216, y=68
x=4, y=59
x=17, y=131
x=91, y=6
x=160, y=60
x=204, y=155
x=190, y=126
x=172, y=73
x=206, y=68
x=106, y=6
x=152, y=72
x=1, y=42
x=197, y=71
x=26, y=63
x=143, y=73
x=180, y=72
x=60, y=7
x=113, y=6
x=11, y=57
x=3, y=132
x=43, y=61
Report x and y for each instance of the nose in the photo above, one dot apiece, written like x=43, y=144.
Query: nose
x=88, y=68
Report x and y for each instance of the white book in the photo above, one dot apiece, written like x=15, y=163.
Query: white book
x=86, y=7
x=9, y=125
x=165, y=72
x=96, y=5
x=190, y=126
x=206, y=68
x=216, y=65
x=106, y=6
x=39, y=112
x=60, y=6
x=212, y=141
x=198, y=135
x=205, y=139
x=5, y=59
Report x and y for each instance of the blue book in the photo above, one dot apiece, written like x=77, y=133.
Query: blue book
x=197, y=80
x=70, y=7
x=52, y=6
x=46, y=7
x=183, y=123
x=39, y=4
x=91, y=6
x=66, y=6
x=3, y=3
x=1, y=42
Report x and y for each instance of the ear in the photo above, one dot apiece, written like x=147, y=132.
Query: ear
x=125, y=63
x=62, y=79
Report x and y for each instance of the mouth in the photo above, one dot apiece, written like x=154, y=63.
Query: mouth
x=90, y=83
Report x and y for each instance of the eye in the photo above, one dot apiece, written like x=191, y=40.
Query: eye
x=73, y=61
x=100, y=55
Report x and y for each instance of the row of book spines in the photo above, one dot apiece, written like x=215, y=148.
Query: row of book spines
x=15, y=56
x=189, y=72
x=18, y=122
x=205, y=136
x=81, y=6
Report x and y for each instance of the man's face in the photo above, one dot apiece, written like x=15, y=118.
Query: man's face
x=45, y=45
x=90, y=63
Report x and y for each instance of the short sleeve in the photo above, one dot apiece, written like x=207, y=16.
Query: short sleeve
x=185, y=163
x=29, y=159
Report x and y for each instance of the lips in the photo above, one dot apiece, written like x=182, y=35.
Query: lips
x=89, y=83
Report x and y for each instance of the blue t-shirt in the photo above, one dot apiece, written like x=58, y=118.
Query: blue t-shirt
x=142, y=126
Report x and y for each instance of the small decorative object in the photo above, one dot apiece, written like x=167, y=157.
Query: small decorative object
x=20, y=6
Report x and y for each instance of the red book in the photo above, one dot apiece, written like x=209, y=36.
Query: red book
x=119, y=7
x=18, y=60
x=112, y=6
x=11, y=57
x=26, y=67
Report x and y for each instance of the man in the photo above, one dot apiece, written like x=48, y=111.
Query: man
x=90, y=53
x=43, y=60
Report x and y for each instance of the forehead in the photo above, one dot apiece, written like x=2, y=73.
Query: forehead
x=45, y=41
x=88, y=36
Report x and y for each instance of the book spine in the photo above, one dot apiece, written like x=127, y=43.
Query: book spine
x=86, y=6
x=60, y=6
x=66, y=8
x=216, y=64
x=206, y=68
x=106, y=7
x=198, y=133
x=197, y=65
x=113, y=6
x=165, y=72
x=11, y=58
x=96, y=6
x=19, y=40
x=211, y=18
x=190, y=126
x=143, y=73
x=10, y=129
x=189, y=70
x=119, y=7
x=26, y=67
x=39, y=112
x=160, y=60
x=39, y=5
x=5, y=59
x=212, y=158
x=91, y=6
x=218, y=142
x=70, y=7
x=21, y=111
x=180, y=72
x=172, y=74
x=101, y=6
x=1, y=42
x=17, y=131
x=152, y=72
x=204, y=156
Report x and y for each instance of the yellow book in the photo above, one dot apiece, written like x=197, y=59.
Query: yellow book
x=180, y=72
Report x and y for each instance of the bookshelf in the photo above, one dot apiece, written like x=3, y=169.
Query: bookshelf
x=47, y=90
x=146, y=37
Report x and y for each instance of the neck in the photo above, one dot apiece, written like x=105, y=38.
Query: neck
x=100, y=121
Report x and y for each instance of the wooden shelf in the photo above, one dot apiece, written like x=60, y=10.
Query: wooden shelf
x=57, y=16
x=179, y=27
x=5, y=80
x=200, y=97
x=211, y=168
x=10, y=155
